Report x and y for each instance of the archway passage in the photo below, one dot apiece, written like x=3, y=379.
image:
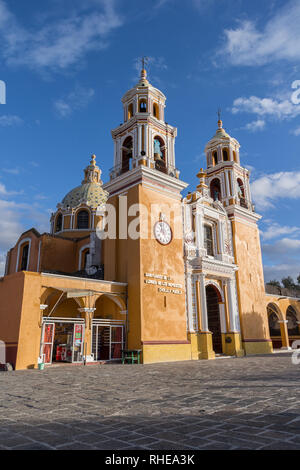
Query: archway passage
x=213, y=315
x=274, y=326
x=292, y=325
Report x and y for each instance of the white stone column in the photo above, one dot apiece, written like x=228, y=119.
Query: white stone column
x=222, y=318
x=227, y=183
x=146, y=127
x=199, y=230
x=189, y=302
x=220, y=236
x=204, y=318
x=139, y=140
x=233, y=306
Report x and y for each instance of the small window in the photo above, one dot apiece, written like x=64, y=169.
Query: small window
x=215, y=158
x=130, y=111
x=58, y=225
x=24, y=259
x=225, y=155
x=208, y=240
x=155, y=110
x=143, y=106
x=83, y=220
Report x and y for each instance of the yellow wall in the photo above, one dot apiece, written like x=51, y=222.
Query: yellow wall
x=250, y=286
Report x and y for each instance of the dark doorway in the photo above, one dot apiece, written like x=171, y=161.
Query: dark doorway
x=213, y=315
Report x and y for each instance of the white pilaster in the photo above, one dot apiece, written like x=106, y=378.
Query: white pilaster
x=204, y=318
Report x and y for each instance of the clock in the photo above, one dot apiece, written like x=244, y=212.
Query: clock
x=163, y=232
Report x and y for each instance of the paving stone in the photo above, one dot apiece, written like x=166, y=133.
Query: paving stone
x=239, y=403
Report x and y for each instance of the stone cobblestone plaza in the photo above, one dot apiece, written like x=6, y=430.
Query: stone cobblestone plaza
x=229, y=403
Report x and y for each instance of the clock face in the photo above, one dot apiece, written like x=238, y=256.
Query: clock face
x=163, y=232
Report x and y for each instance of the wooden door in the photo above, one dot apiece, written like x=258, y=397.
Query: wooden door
x=213, y=314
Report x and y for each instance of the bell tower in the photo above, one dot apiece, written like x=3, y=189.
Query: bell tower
x=228, y=182
x=144, y=138
x=145, y=193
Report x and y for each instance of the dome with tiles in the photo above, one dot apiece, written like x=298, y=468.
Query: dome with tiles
x=90, y=192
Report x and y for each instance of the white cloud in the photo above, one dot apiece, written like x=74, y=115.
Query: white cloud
x=275, y=230
x=296, y=132
x=10, y=120
x=279, y=39
x=254, y=126
x=12, y=171
x=4, y=192
x=269, y=188
x=282, y=270
x=282, y=259
x=266, y=107
x=60, y=43
x=77, y=99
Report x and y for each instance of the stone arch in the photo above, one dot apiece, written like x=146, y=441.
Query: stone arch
x=51, y=296
x=216, y=189
x=274, y=318
x=110, y=306
x=292, y=319
x=216, y=286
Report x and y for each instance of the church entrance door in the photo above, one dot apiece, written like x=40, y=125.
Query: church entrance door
x=213, y=315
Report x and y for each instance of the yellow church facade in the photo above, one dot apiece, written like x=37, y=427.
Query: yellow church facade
x=133, y=265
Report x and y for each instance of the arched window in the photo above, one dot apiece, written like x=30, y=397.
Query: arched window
x=215, y=158
x=225, y=155
x=143, y=106
x=292, y=325
x=155, y=110
x=58, y=225
x=24, y=257
x=127, y=149
x=159, y=154
x=130, y=111
x=241, y=189
x=215, y=189
x=208, y=240
x=83, y=219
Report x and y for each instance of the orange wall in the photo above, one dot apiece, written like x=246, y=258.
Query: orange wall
x=11, y=300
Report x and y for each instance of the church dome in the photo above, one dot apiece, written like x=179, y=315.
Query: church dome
x=90, y=192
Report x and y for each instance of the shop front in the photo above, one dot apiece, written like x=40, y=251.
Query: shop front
x=62, y=340
x=108, y=340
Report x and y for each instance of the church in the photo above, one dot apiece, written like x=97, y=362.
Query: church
x=132, y=264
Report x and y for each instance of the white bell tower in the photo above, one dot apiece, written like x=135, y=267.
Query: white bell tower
x=144, y=138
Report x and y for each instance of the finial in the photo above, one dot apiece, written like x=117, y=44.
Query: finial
x=201, y=174
x=93, y=160
x=220, y=123
x=144, y=61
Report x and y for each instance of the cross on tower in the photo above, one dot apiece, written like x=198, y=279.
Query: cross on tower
x=144, y=61
x=219, y=114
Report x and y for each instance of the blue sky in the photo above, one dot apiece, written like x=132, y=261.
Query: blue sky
x=67, y=63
